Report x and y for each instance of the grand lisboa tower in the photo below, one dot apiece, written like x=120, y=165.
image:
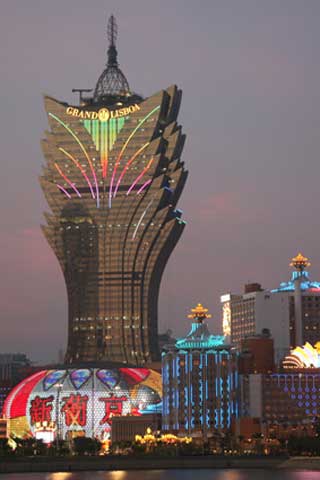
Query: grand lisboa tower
x=112, y=179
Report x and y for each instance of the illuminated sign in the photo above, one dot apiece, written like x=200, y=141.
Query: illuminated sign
x=68, y=403
x=226, y=319
x=225, y=298
x=306, y=356
x=104, y=114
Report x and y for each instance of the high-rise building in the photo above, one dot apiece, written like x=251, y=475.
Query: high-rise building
x=113, y=177
x=200, y=382
x=291, y=312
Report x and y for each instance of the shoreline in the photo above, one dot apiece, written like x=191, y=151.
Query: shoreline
x=77, y=464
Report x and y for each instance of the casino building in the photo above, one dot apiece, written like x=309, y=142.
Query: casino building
x=64, y=403
x=112, y=179
x=200, y=382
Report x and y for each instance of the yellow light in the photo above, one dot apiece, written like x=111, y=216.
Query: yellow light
x=300, y=262
x=199, y=312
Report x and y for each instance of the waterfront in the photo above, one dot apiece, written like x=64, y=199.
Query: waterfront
x=207, y=474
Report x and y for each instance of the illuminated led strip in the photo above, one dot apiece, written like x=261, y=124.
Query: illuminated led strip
x=128, y=165
x=140, y=176
x=80, y=168
x=72, y=185
x=84, y=151
x=64, y=191
x=104, y=150
x=123, y=149
x=144, y=186
x=140, y=220
x=104, y=134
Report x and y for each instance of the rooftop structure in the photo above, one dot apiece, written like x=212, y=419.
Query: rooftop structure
x=199, y=335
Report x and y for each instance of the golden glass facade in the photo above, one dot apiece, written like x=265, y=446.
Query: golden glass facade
x=112, y=179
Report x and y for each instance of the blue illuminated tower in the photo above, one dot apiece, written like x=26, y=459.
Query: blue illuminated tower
x=200, y=381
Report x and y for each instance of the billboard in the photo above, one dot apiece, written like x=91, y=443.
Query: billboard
x=81, y=401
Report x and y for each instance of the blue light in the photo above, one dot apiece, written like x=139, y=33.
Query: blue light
x=289, y=286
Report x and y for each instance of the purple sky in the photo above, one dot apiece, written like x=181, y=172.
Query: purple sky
x=250, y=76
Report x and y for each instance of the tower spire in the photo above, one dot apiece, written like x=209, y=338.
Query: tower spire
x=112, y=32
x=112, y=84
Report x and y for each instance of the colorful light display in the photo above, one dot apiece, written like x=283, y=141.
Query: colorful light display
x=226, y=319
x=303, y=357
x=299, y=397
x=300, y=263
x=200, y=381
x=80, y=401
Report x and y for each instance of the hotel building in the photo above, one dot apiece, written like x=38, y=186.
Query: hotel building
x=290, y=312
x=112, y=179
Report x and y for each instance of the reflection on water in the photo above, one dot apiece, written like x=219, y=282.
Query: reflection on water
x=305, y=475
x=59, y=476
x=204, y=474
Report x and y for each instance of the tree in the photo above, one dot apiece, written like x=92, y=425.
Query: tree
x=86, y=446
x=5, y=449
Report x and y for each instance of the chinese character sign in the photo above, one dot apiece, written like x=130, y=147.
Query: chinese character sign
x=40, y=410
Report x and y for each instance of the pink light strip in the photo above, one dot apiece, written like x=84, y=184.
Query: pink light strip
x=80, y=168
x=140, y=176
x=128, y=165
x=84, y=151
x=72, y=185
x=144, y=186
x=64, y=191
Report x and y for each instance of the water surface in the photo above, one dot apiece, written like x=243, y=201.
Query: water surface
x=202, y=474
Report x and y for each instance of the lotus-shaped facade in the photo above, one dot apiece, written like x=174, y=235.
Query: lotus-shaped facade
x=112, y=179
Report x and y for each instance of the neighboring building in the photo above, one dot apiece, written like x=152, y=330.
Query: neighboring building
x=257, y=354
x=200, y=382
x=112, y=178
x=289, y=396
x=281, y=398
x=70, y=402
x=248, y=427
x=291, y=312
x=125, y=428
x=13, y=368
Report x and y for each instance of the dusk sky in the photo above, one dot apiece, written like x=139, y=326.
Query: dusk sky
x=250, y=75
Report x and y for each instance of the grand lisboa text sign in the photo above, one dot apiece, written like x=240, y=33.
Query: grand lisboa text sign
x=104, y=114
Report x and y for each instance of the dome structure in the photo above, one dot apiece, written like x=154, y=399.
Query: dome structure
x=80, y=401
x=112, y=83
